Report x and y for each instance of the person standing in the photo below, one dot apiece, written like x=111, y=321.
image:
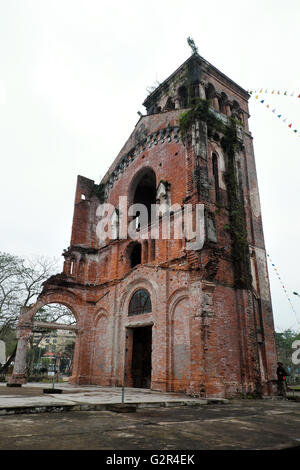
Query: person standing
x=281, y=379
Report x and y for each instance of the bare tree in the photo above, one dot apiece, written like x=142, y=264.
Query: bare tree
x=21, y=282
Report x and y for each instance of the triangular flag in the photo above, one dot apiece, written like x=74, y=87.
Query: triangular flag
x=279, y=115
x=262, y=101
x=295, y=130
x=274, y=110
x=290, y=125
x=284, y=120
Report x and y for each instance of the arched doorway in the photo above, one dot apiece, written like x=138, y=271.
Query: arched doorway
x=50, y=349
x=44, y=331
x=139, y=343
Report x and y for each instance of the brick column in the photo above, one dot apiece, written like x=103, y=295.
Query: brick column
x=23, y=334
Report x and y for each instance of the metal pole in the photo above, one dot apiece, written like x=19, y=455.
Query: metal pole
x=124, y=366
x=53, y=377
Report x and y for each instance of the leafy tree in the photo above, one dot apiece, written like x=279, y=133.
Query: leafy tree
x=284, y=341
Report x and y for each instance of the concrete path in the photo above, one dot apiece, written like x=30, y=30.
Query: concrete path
x=30, y=398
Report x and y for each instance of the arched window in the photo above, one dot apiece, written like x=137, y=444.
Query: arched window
x=72, y=266
x=210, y=92
x=140, y=303
x=143, y=191
x=169, y=104
x=215, y=168
x=183, y=97
x=222, y=103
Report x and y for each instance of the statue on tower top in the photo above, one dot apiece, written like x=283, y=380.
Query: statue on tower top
x=192, y=45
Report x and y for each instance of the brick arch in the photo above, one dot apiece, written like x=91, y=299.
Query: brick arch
x=179, y=340
x=176, y=297
x=217, y=150
x=68, y=299
x=132, y=287
x=101, y=363
x=100, y=313
x=137, y=176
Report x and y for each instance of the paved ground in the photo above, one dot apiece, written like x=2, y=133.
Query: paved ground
x=244, y=424
x=30, y=398
x=162, y=424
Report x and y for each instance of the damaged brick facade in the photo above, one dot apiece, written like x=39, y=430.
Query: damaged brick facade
x=204, y=334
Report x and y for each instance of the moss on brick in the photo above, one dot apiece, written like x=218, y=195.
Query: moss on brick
x=99, y=191
x=230, y=143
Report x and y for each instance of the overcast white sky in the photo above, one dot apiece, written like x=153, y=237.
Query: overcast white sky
x=74, y=73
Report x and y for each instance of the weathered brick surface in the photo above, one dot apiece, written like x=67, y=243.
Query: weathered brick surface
x=208, y=338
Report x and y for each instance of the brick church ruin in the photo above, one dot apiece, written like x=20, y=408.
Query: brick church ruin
x=151, y=313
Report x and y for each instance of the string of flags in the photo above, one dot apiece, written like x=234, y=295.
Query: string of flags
x=279, y=115
x=274, y=92
x=282, y=285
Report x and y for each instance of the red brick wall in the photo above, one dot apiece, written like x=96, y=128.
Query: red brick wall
x=208, y=339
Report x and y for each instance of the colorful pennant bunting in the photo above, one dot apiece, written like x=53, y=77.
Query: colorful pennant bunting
x=290, y=125
x=283, y=286
x=278, y=92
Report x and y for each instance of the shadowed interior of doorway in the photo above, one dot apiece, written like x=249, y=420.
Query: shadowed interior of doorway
x=141, y=357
